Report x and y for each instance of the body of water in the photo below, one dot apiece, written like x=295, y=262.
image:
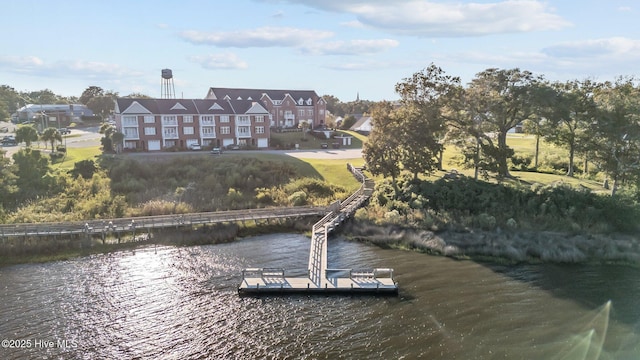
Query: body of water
x=182, y=303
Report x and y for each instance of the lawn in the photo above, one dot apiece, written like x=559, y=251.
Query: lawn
x=77, y=154
x=309, y=142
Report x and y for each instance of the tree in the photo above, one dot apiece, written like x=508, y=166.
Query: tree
x=84, y=168
x=419, y=144
x=431, y=92
x=26, y=134
x=107, y=141
x=99, y=101
x=116, y=139
x=502, y=99
x=4, y=112
x=51, y=135
x=31, y=171
x=90, y=93
x=348, y=122
x=568, y=110
x=615, y=133
x=8, y=182
x=137, y=95
x=304, y=126
x=382, y=152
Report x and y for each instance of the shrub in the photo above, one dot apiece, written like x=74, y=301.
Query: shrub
x=298, y=198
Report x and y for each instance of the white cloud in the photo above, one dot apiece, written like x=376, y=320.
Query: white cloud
x=259, y=37
x=21, y=63
x=353, y=47
x=614, y=48
x=353, y=24
x=366, y=65
x=431, y=19
x=33, y=65
x=219, y=61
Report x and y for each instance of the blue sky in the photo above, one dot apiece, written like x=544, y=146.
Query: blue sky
x=335, y=47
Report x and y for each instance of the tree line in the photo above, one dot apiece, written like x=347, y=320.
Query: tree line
x=98, y=100
x=600, y=121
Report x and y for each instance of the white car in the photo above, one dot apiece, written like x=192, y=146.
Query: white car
x=195, y=147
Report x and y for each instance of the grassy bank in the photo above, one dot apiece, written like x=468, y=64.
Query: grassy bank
x=509, y=247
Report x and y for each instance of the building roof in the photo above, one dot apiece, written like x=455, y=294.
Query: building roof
x=364, y=120
x=258, y=94
x=187, y=106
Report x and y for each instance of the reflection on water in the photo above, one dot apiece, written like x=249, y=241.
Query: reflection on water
x=181, y=303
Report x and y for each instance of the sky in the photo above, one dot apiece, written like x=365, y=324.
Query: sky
x=343, y=48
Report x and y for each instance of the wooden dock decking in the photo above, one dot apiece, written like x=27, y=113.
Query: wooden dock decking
x=322, y=279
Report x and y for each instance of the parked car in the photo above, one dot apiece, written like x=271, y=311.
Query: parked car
x=195, y=147
x=324, y=146
x=64, y=131
x=233, y=147
x=216, y=150
x=9, y=141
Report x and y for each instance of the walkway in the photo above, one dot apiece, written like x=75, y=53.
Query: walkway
x=322, y=279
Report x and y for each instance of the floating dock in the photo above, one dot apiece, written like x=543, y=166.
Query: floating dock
x=320, y=279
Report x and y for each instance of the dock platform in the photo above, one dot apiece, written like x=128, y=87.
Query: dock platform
x=264, y=281
x=320, y=279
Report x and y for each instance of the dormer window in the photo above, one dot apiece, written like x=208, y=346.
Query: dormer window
x=300, y=101
x=309, y=101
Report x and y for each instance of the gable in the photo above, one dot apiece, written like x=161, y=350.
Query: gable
x=216, y=106
x=136, y=108
x=178, y=106
x=256, y=108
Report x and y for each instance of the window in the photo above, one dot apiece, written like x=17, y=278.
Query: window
x=188, y=130
x=208, y=131
x=170, y=120
x=259, y=129
x=321, y=111
x=130, y=120
x=207, y=119
x=225, y=130
x=301, y=112
x=130, y=133
x=309, y=112
x=224, y=118
x=259, y=118
x=149, y=131
x=187, y=118
x=149, y=119
x=244, y=130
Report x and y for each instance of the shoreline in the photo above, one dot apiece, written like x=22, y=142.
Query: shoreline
x=502, y=247
x=205, y=235
x=507, y=247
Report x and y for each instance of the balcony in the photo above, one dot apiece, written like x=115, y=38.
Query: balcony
x=131, y=133
x=208, y=135
x=170, y=135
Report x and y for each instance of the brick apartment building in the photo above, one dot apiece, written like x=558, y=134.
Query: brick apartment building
x=287, y=108
x=159, y=124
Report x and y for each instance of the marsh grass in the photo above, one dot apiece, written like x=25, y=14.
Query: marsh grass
x=507, y=247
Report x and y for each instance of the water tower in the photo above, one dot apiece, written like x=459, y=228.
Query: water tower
x=168, y=90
